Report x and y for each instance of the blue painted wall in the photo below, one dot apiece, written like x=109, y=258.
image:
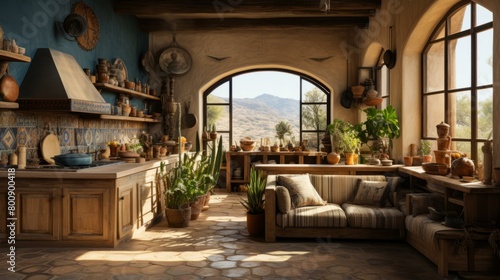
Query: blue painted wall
x=32, y=23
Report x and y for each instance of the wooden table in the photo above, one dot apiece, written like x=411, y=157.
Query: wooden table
x=478, y=201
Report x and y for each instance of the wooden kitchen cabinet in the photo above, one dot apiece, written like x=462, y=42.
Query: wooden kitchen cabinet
x=86, y=213
x=3, y=213
x=37, y=213
x=127, y=197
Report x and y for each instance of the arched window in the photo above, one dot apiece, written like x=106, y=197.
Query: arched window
x=252, y=103
x=457, y=84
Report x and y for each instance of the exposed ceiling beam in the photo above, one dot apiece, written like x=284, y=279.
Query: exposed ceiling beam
x=152, y=25
x=241, y=8
x=194, y=15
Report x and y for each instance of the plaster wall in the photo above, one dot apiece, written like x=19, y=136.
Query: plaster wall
x=247, y=50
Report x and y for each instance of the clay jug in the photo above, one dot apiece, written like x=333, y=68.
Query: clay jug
x=443, y=129
x=462, y=167
x=333, y=158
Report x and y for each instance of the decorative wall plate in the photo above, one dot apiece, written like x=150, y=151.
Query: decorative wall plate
x=175, y=60
x=88, y=40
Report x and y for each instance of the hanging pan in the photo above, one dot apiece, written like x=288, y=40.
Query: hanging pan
x=390, y=55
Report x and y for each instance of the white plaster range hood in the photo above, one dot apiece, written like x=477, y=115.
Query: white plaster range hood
x=56, y=82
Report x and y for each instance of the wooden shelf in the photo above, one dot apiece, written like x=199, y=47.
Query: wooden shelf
x=8, y=105
x=456, y=201
x=132, y=93
x=124, y=118
x=13, y=57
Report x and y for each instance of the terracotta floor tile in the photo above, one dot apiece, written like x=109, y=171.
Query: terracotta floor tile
x=217, y=246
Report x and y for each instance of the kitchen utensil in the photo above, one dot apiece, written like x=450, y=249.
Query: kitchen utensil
x=50, y=147
x=9, y=89
x=128, y=154
x=190, y=120
x=73, y=159
x=389, y=55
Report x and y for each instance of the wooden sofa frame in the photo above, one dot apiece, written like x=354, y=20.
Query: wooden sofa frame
x=273, y=231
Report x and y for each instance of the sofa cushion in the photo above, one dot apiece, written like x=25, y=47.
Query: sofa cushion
x=425, y=228
x=329, y=215
x=370, y=193
x=283, y=199
x=339, y=189
x=420, y=203
x=302, y=192
x=373, y=217
x=394, y=184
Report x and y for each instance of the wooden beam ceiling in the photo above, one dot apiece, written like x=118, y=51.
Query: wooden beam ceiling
x=203, y=15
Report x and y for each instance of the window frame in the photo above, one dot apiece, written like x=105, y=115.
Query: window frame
x=447, y=91
x=302, y=78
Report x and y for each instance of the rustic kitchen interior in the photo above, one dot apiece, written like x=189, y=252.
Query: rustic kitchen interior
x=94, y=80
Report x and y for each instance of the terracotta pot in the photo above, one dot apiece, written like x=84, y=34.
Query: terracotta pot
x=351, y=158
x=417, y=161
x=196, y=207
x=256, y=224
x=408, y=160
x=427, y=158
x=206, y=202
x=444, y=143
x=443, y=157
x=178, y=218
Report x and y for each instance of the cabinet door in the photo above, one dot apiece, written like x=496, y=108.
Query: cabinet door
x=37, y=213
x=147, y=198
x=126, y=210
x=3, y=213
x=86, y=214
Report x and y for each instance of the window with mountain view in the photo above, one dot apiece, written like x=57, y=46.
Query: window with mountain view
x=457, y=85
x=251, y=104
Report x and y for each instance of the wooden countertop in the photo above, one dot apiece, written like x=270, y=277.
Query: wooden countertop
x=324, y=168
x=284, y=153
x=113, y=171
x=450, y=182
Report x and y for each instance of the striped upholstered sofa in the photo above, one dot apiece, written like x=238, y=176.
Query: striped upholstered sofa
x=339, y=218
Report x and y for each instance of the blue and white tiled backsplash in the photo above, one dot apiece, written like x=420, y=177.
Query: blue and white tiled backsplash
x=29, y=128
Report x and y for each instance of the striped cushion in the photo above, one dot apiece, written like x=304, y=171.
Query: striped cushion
x=425, y=228
x=373, y=217
x=339, y=189
x=330, y=215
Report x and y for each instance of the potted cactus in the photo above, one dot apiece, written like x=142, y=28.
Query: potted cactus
x=213, y=132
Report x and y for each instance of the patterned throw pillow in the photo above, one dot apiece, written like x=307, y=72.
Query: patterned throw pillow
x=370, y=193
x=302, y=192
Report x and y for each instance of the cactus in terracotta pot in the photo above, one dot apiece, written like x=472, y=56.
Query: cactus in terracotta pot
x=213, y=132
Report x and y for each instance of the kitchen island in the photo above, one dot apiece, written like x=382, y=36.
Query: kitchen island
x=94, y=207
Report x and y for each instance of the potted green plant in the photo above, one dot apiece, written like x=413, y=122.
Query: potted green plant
x=283, y=128
x=425, y=150
x=379, y=124
x=254, y=203
x=344, y=139
x=180, y=190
